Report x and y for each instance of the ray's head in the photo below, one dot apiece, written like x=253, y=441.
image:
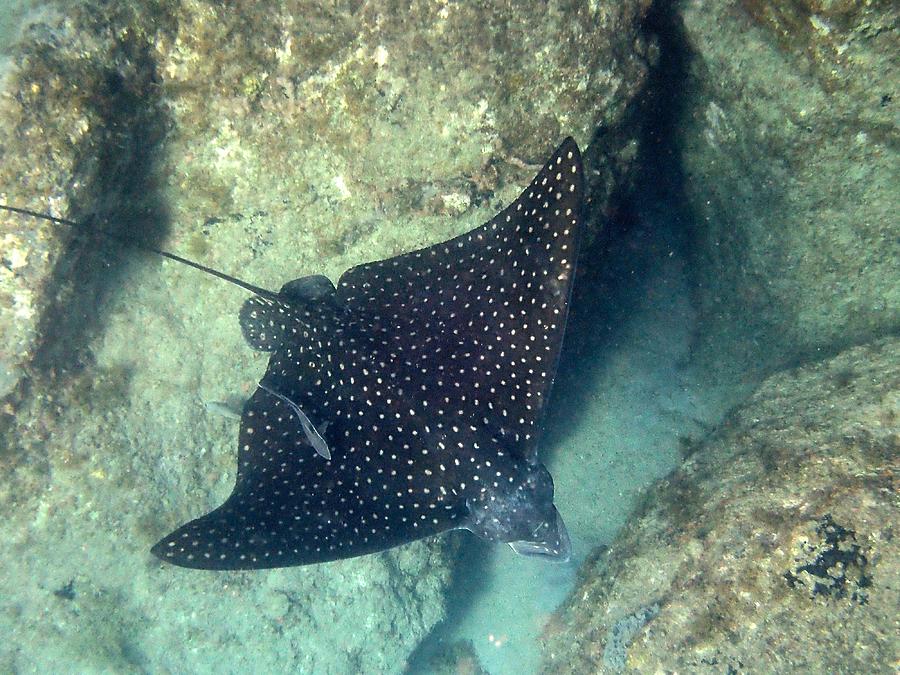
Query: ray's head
x=522, y=514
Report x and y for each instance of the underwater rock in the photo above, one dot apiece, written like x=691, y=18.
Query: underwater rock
x=789, y=148
x=771, y=549
x=78, y=108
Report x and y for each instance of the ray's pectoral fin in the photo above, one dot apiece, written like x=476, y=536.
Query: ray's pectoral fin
x=521, y=513
x=278, y=513
x=288, y=506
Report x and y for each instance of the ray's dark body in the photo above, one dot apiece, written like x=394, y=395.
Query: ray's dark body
x=427, y=375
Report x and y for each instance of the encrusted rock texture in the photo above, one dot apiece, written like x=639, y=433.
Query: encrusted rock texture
x=307, y=132
x=773, y=548
x=789, y=144
x=64, y=95
x=272, y=142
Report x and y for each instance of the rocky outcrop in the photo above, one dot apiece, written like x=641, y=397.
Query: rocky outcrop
x=773, y=548
x=789, y=149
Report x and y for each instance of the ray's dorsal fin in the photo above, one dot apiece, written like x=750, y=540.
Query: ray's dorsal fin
x=135, y=243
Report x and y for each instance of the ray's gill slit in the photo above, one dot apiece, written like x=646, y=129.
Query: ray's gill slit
x=429, y=372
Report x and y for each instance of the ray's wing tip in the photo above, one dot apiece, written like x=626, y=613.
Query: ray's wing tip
x=568, y=153
x=168, y=551
x=569, y=144
x=165, y=551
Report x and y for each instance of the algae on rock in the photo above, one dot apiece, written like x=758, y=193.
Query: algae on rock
x=79, y=120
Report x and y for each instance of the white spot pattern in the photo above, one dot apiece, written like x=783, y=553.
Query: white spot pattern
x=431, y=371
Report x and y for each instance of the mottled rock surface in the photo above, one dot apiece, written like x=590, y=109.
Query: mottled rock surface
x=336, y=131
x=272, y=142
x=78, y=112
x=772, y=549
x=789, y=146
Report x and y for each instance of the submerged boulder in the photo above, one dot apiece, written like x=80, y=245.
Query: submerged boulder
x=773, y=548
x=789, y=153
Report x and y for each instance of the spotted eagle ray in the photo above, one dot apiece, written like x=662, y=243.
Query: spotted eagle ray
x=406, y=401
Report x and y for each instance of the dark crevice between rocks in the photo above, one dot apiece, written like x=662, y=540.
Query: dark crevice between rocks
x=621, y=246
x=624, y=245
x=662, y=175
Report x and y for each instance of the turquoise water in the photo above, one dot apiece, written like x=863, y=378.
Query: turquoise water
x=11, y=15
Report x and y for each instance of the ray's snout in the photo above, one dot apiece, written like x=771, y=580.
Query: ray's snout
x=550, y=540
x=521, y=513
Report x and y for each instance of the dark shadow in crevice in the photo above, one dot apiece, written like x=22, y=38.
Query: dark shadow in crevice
x=627, y=246
x=436, y=653
x=113, y=189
